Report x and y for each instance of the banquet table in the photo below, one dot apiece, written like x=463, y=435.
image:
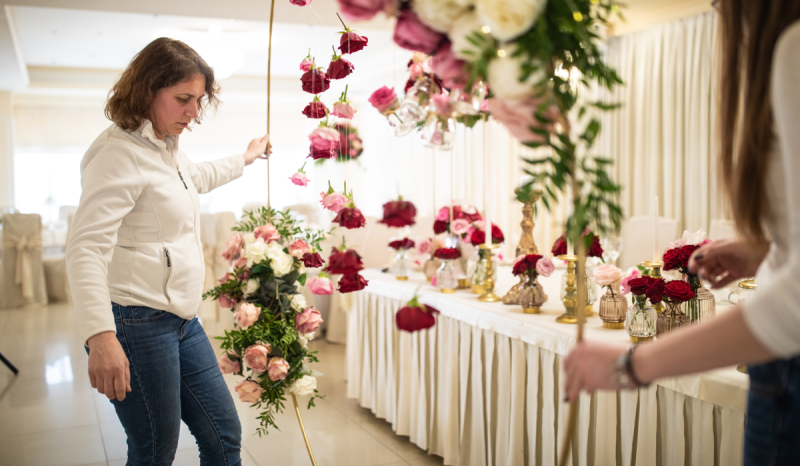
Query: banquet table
x=484, y=386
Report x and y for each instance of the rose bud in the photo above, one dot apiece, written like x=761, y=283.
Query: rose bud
x=350, y=218
x=317, y=154
x=316, y=110
x=312, y=260
x=320, y=286
x=339, y=68
x=346, y=262
x=415, y=316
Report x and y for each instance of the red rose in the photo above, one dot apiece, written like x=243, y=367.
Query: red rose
x=497, y=235
x=404, y=243
x=639, y=286
x=685, y=253
x=478, y=237
x=671, y=260
x=340, y=68
x=409, y=84
x=351, y=42
x=412, y=319
x=526, y=264
x=350, y=218
x=352, y=282
x=315, y=81
x=346, y=262
x=559, y=247
x=458, y=213
x=655, y=292
x=315, y=110
x=317, y=154
x=447, y=253
x=440, y=226
x=312, y=259
x=595, y=250
x=398, y=214
x=678, y=291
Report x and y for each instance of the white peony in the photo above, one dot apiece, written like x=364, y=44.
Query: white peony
x=251, y=286
x=281, y=264
x=249, y=237
x=304, y=338
x=504, y=74
x=464, y=26
x=304, y=386
x=693, y=239
x=440, y=14
x=255, y=251
x=299, y=303
x=509, y=18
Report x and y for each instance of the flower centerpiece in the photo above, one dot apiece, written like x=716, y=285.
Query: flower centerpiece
x=676, y=257
x=531, y=266
x=446, y=279
x=415, y=316
x=401, y=267
x=613, y=305
x=641, y=317
x=476, y=236
x=675, y=293
x=268, y=346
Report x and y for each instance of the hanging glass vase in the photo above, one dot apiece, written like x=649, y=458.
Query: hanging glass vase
x=640, y=321
x=479, y=273
x=613, y=307
x=531, y=295
x=590, y=297
x=439, y=132
x=703, y=306
x=401, y=265
x=446, y=279
x=671, y=319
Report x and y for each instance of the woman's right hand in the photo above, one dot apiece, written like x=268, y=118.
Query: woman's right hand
x=725, y=261
x=108, y=366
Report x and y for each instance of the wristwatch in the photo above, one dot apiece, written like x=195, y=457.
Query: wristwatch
x=623, y=376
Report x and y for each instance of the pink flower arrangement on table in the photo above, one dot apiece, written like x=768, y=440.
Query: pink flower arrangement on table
x=609, y=276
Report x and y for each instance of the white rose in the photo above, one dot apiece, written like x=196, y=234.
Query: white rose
x=304, y=338
x=251, y=286
x=693, y=239
x=463, y=27
x=256, y=251
x=281, y=264
x=249, y=237
x=504, y=74
x=299, y=303
x=509, y=18
x=304, y=386
x=440, y=14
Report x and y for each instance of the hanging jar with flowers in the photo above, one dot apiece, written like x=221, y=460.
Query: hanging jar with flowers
x=446, y=279
x=676, y=292
x=703, y=306
x=531, y=294
x=613, y=305
x=641, y=317
x=401, y=264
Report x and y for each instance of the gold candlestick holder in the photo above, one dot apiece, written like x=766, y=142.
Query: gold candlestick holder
x=655, y=271
x=488, y=284
x=570, y=299
x=526, y=243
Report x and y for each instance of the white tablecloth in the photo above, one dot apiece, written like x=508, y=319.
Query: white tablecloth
x=484, y=386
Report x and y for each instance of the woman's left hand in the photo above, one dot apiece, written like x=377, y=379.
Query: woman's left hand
x=590, y=366
x=259, y=148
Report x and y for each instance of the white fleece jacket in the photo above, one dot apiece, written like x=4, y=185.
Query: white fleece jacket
x=135, y=238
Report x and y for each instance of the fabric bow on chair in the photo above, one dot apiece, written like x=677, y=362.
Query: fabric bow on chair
x=25, y=246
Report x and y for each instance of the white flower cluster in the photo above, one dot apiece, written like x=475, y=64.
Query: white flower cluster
x=304, y=386
x=257, y=251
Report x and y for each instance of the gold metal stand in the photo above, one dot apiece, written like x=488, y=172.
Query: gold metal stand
x=302, y=428
x=640, y=339
x=402, y=279
x=614, y=325
x=463, y=284
x=526, y=243
x=655, y=268
x=488, y=284
x=571, y=298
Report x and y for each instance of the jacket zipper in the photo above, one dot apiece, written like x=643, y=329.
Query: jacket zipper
x=181, y=177
x=166, y=253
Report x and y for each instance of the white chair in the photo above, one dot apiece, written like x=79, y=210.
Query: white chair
x=65, y=212
x=23, y=272
x=637, y=239
x=722, y=229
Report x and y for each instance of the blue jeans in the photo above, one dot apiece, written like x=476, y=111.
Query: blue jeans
x=772, y=431
x=174, y=376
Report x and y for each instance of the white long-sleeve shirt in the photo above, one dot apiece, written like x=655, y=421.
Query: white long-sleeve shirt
x=135, y=238
x=773, y=315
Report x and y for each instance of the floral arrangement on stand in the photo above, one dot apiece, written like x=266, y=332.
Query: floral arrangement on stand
x=269, y=255
x=676, y=257
x=593, y=247
x=532, y=266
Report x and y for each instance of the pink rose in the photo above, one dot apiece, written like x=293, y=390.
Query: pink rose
x=241, y=262
x=305, y=65
x=267, y=232
x=443, y=215
x=298, y=248
x=460, y=226
x=545, y=267
x=442, y=103
x=358, y=10
x=277, y=369
x=416, y=70
x=343, y=110
x=679, y=243
x=227, y=366
x=256, y=357
x=333, y=202
x=485, y=105
x=320, y=286
x=412, y=34
x=324, y=138
x=300, y=179
x=384, y=99
x=308, y=320
x=233, y=247
x=449, y=68
x=519, y=258
x=518, y=117
x=705, y=241
x=226, y=301
x=246, y=315
x=248, y=391
x=607, y=274
x=300, y=3
x=425, y=246
x=626, y=288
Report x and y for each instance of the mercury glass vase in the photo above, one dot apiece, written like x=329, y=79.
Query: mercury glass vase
x=613, y=307
x=531, y=296
x=401, y=266
x=703, y=306
x=640, y=321
x=671, y=319
x=446, y=279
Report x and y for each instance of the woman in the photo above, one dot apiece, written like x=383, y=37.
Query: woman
x=135, y=261
x=760, y=164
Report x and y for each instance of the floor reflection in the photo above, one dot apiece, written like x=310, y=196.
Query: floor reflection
x=59, y=372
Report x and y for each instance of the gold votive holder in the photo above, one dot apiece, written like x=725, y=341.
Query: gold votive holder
x=401, y=279
x=532, y=310
x=463, y=284
x=447, y=290
x=488, y=284
x=655, y=271
x=638, y=340
x=614, y=325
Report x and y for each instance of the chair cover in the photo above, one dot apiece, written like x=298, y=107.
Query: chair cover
x=215, y=229
x=23, y=272
x=637, y=239
x=722, y=229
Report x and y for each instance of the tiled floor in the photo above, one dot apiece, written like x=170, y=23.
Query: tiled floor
x=50, y=415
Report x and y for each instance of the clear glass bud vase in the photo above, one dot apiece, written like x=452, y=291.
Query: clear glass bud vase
x=446, y=279
x=613, y=307
x=671, y=319
x=640, y=321
x=531, y=296
x=703, y=306
x=401, y=266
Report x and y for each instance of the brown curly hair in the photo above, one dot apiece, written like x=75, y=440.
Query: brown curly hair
x=162, y=63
